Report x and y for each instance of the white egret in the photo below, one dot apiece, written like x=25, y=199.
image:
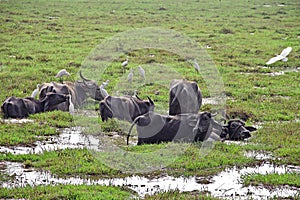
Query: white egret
x=71, y=105
x=62, y=73
x=103, y=91
x=283, y=56
x=105, y=83
x=196, y=66
x=36, y=91
x=130, y=76
x=142, y=72
x=124, y=64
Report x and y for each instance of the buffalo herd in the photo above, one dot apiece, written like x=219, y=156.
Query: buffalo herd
x=184, y=123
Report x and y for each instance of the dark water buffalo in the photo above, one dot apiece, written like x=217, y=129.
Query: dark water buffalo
x=79, y=91
x=157, y=128
x=22, y=107
x=124, y=107
x=236, y=130
x=185, y=97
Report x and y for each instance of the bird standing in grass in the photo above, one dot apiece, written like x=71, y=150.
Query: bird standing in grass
x=61, y=74
x=196, y=66
x=130, y=76
x=283, y=56
x=105, y=83
x=124, y=64
x=71, y=105
x=36, y=91
x=142, y=72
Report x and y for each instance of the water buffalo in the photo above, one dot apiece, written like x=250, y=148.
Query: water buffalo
x=236, y=130
x=79, y=90
x=157, y=128
x=185, y=97
x=22, y=107
x=124, y=107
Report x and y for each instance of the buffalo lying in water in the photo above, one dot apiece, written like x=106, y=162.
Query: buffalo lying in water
x=236, y=130
x=156, y=128
x=15, y=107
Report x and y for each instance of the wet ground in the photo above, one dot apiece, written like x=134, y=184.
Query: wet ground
x=226, y=184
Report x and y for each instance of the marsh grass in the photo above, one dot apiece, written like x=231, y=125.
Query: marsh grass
x=272, y=179
x=39, y=38
x=24, y=134
x=66, y=192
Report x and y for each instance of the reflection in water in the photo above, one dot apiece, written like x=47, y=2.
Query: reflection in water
x=226, y=184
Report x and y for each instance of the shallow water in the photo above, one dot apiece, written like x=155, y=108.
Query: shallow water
x=226, y=184
x=69, y=138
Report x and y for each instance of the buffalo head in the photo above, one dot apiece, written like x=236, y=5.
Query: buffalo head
x=91, y=88
x=236, y=130
x=51, y=100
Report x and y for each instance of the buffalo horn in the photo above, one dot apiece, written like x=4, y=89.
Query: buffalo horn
x=83, y=78
x=150, y=100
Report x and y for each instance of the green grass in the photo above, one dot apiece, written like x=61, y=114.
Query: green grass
x=282, y=139
x=66, y=192
x=273, y=179
x=42, y=37
x=184, y=195
x=44, y=124
x=21, y=134
x=83, y=162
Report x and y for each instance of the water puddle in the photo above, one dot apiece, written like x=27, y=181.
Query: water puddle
x=17, y=121
x=277, y=73
x=226, y=184
x=259, y=155
x=69, y=138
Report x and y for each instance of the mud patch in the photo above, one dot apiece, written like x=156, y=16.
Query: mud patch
x=227, y=184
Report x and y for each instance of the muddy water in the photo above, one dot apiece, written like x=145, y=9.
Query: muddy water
x=226, y=184
x=68, y=138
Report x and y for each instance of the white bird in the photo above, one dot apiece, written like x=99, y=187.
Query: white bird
x=36, y=91
x=142, y=72
x=130, y=76
x=283, y=56
x=105, y=83
x=196, y=66
x=135, y=93
x=103, y=91
x=124, y=64
x=62, y=73
x=71, y=105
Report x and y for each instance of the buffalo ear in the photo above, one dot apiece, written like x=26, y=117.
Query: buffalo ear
x=250, y=128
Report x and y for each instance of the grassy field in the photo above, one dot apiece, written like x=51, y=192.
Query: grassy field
x=38, y=38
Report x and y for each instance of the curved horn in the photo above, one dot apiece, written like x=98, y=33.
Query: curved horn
x=150, y=100
x=83, y=78
x=138, y=97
